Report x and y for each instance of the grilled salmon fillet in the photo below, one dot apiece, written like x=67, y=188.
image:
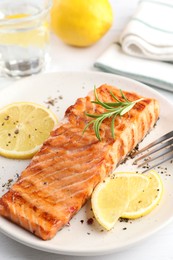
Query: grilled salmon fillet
x=62, y=175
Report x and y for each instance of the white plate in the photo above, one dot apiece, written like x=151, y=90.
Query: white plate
x=80, y=238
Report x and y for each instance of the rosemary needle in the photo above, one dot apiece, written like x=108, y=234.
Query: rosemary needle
x=113, y=109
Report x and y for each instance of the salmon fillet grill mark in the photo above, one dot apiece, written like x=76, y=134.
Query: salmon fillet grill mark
x=62, y=175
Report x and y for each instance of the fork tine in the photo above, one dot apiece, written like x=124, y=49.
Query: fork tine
x=160, y=162
x=158, y=148
x=158, y=141
x=162, y=150
x=156, y=157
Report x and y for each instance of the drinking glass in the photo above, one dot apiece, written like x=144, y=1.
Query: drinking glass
x=24, y=36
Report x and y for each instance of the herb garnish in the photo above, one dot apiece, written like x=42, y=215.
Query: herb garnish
x=113, y=109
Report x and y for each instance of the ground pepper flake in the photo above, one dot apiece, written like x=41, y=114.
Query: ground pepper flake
x=17, y=175
x=7, y=185
x=124, y=228
x=123, y=220
x=51, y=101
x=9, y=182
x=16, y=131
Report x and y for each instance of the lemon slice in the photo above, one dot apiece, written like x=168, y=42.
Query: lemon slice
x=148, y=199
x=111, y=197
x=24, y=126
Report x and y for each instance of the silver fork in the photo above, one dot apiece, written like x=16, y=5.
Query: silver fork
x=157, y=152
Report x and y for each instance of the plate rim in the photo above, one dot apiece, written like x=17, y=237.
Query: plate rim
x=47, y=74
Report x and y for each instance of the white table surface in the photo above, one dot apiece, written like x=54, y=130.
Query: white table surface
x=66, y=58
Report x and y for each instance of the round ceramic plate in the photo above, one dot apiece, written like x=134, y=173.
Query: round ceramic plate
x=58, y=91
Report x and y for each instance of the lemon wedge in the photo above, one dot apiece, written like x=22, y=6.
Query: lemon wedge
x=24, y=126
x=111, y=197
x=148, y=199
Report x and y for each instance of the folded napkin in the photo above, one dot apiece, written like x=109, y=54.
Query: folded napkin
x=154, y=73
x=149, y=34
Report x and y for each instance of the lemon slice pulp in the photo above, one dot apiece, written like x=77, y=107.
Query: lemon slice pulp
x=24, y=126
x=111, y=197
x=148, y=199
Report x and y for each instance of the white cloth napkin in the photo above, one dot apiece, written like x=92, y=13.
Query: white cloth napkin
x=149, y=34
x=154, y=73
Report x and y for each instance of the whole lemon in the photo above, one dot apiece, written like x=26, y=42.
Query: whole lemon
x=81, y=22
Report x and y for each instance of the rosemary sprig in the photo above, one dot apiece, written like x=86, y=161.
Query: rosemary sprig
x=113, y=109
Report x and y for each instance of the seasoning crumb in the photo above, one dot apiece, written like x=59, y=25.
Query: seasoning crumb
x=132, y=153
x=90, y=221
x=123, y=220
x=51, y=101
x=7, y=117
x=7, y=185
x=124, y=228
x=17, y=175
x=9, y=182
